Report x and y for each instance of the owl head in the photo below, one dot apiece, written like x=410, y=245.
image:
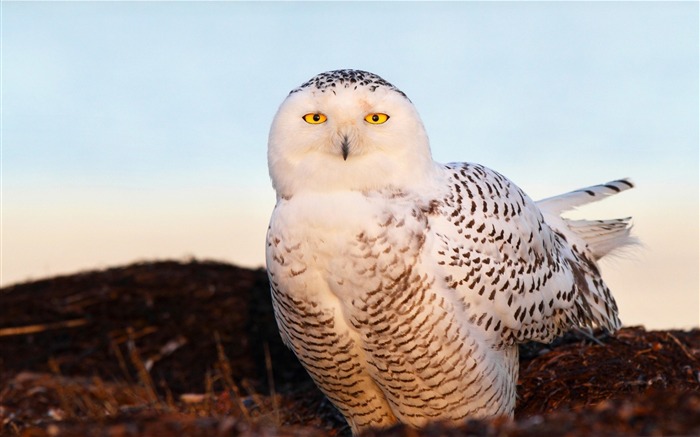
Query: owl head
x=347, y=130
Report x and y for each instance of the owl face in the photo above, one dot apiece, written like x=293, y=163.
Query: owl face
x=346, y=130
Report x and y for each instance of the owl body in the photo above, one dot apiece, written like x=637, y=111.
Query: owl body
x=370, y=317
x=403, y=285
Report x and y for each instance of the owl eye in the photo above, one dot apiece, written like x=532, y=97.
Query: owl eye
x=315, y=118
x=376, y=118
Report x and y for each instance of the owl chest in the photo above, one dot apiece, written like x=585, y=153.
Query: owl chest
x=347, y=248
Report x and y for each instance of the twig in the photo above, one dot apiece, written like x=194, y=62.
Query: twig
x=227, y=374
x=166, y=350
x=61, y=390
x=683, y=348
x=134, y=335
x=41, y=327
x=141, y=370
x=588, y=334
x=109, y=403
x=255, y=396
x=120, y=359
x=271, y=382
x=169, y=399
x=209, y=391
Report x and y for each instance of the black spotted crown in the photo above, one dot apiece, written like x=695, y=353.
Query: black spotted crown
x=346, y=79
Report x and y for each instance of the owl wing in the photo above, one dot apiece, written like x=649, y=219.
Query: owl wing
x=517, y=277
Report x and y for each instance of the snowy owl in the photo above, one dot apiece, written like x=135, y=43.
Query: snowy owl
x=404, y=285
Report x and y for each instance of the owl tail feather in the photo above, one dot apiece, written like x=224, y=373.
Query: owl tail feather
x=604, y=236
x=601, y=236
x=568, y=201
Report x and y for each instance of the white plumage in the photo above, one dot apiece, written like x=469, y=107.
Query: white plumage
x=404, y=285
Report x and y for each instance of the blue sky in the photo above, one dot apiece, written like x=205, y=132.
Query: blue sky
x=138, y=130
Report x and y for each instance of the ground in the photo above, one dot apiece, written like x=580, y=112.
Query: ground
x=191, y=349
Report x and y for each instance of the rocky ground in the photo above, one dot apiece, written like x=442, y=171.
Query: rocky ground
x=191, y=349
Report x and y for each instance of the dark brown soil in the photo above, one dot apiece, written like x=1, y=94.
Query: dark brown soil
x=191, y=349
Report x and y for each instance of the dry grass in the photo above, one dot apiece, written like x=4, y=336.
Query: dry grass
x=94, y=400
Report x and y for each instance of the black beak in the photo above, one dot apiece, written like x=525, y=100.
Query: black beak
x=345, y=148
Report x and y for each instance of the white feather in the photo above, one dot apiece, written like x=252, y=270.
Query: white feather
x=601, y=236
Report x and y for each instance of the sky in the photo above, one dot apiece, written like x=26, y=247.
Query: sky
x=137, y=131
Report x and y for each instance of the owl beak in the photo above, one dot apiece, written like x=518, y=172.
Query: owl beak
x=345, y=147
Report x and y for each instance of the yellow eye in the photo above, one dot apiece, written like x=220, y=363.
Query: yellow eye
x=376, y=118
x=315, y=118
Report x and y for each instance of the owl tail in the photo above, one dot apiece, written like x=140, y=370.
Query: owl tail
x=601, y=236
